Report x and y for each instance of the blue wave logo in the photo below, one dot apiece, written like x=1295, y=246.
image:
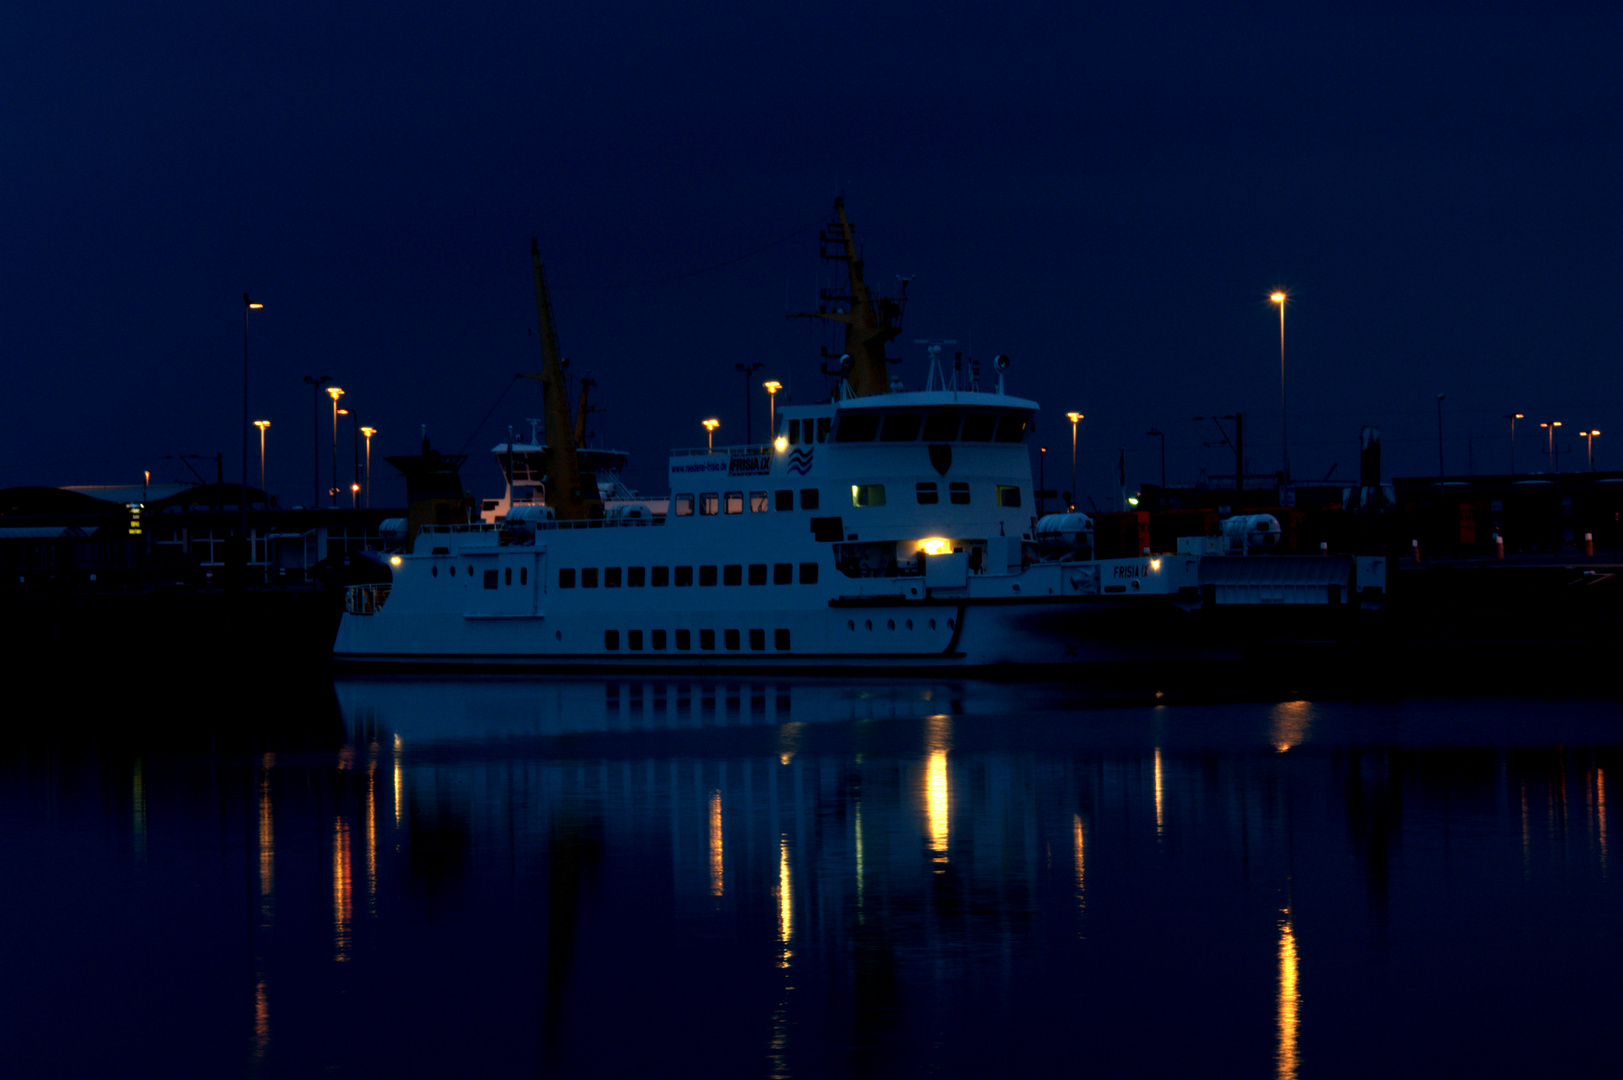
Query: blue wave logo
x=801, y=460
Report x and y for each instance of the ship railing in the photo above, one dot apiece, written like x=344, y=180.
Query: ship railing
x=721, y=451
x=365, y=599
x=473, y=527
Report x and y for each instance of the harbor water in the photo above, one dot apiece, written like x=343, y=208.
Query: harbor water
x=783, y=877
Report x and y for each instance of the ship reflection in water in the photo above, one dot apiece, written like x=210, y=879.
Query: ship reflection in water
x=799, y=878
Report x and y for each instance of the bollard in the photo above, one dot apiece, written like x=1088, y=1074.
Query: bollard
x=1589, y=544
x=1415, y=544
x=1499, y=546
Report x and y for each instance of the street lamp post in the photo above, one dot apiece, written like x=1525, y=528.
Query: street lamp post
x=369, y=432
x=1440, y=398
x=772, y=388
x=262, y=425
x=1513, y=417
x=247, y=306
x=1284, y=436
x=1162, y=434
x=316, y=383
x=1550, y=427
x=354, y=442
x=748, y=370
x=1590, y=435
x=710, y=427
x=1042, y=462
x=335, y=393
x=1074, y=417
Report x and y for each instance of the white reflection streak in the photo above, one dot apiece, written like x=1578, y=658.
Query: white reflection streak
x=716, y=876
x=860, y=912
x=1158, y=819
x=1289, y=1004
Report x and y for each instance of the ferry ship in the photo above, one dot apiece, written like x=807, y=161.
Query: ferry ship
x=885, y=528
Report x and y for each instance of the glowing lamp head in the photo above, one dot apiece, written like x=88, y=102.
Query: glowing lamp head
x=781, y=443
x=1278, y=297
x=772, y=386
x=335, y=393
x=369, y=431
x=261, y=424
x=1073, y=416
x=394, y=560
x=935, y=545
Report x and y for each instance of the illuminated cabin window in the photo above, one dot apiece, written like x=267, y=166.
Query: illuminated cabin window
x=867, y=494
x=857, y=427
x=958, y=490
x=709, y=503
x=1008, y=495
x=758, y=502
x=735, y=502
x=682, y=505
x=928, y=495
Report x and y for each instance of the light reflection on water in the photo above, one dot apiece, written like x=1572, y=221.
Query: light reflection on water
x=788, y=877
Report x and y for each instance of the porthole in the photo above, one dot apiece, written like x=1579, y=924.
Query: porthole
x=890, y=624
x=910, y=624
x=867, y=624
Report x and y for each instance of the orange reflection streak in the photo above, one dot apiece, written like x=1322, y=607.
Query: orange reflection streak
x=715, y=843
x=789, y=736
x=261, y=1021
x=138, y=808
x=267, y=837
x=372, y=835
x=1288, y=1009
x=1600, y=814
x=1525, y=837
x=343, y=890
x=937, y=789
x=1077, y=844
x=1289, y=724
x=1158, y=820
x=398, y=780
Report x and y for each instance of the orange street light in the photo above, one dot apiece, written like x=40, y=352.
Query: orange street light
x=1590, y=435
x=1074, y=416
x=369, y=432
x=772, y=388
x=335, y=393
x=1513, y=417
x=1279, y=297
x=262, y=425
x=710, y=427
x=1550, y=427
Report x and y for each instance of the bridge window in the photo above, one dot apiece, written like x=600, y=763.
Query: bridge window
x=823, y=424
x=928, y=495
x=942, y=426
x=978, y=427
x=958, y=491
x=1011, y=428
x=901, y=427
x=857, y=427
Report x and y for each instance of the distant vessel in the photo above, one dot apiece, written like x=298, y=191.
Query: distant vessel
x=886, y=528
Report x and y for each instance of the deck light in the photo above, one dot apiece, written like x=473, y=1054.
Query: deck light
x=935, y=545
x=710, y=427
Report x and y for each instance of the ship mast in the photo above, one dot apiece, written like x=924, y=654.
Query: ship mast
x=569, y=498
x=870, y=321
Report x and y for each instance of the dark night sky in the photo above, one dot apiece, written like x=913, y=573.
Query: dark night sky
x=1106, y=194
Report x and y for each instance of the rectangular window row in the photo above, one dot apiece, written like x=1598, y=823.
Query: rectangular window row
x=660, y=640
x=710, y=503
x=944, y=425
x=635, y=577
